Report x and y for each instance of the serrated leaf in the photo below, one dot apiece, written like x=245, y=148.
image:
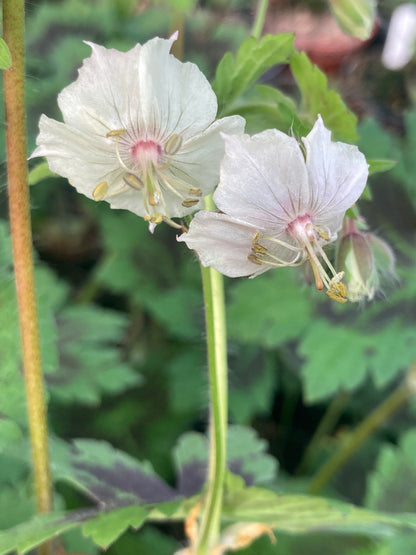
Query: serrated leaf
x=302, y=513
x=389, y=485
x=318, y=98
x=5, y=56
x=107, y=527
x=23, y=537
x=269, y=309
x=91, y=361
x=235, y=74
x=107, y=475
x=246, y=457
x=341, y=358
x=335, y=359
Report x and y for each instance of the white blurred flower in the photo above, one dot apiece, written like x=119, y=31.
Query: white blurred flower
x=399, y=47
x=139, y=131
x=279, y=208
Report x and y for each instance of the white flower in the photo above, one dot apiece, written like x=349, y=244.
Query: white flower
x=139, y=131
x=280, y=206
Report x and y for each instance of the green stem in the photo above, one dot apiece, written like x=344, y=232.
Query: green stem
x=260, y=18
x=214, y=301
x=354, y=441
x=325, y=427
x=14, y=100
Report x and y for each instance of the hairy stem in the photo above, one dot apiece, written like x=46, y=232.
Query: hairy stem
x=217, y=362
x=353, y=442
x=14, y=99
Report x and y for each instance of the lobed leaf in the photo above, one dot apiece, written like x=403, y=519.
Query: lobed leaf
x=236, y=73
x=318, y=98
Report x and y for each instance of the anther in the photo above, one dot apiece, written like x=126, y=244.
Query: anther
x=195, y=191
x=100, y=191
x=259, y=248
x=133, y=181
x=188, y=202
x=254, y=258
x=155, y=218
x=337, y=292
x=116, y=133
x=173, y=145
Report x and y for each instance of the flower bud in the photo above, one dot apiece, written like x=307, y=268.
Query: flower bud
x=364, y=258
x=355, y=17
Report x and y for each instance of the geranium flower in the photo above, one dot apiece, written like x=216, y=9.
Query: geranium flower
x=281, y=202
x=139, y=131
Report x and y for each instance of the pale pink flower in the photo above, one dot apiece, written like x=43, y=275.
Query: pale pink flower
x=280, y=203
x=139, y=132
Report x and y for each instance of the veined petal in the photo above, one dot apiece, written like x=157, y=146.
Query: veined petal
x=263, y=179
x=72, y=154
x=175, y=95
x=102, y=96
x=199, y=160
x=223, y=243
x=337, y=173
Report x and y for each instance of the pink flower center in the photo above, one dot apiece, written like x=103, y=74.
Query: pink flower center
x=145, y=152
x=301, y=229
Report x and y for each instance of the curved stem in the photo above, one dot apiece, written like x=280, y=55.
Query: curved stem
x=213, y=287
x=14, y=100
x=260, y=17
x=373, y=421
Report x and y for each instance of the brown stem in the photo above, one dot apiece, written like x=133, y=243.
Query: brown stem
x=14, y=100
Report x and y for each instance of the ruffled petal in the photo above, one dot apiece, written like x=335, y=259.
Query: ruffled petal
x=263, y=180
x=223, y=243
x=337, y=173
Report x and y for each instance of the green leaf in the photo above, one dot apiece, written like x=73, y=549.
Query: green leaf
x=302, y=513
x=246, y=457
x=91, y=360
x=380, y=165
x=341, y=358
x=335, y=359
x=268, y=310
x=107, y=527
x=389, y=485
x=235, y=74
x=39, y=172
x=318, y=98
x=107, y=475
x=5, y=56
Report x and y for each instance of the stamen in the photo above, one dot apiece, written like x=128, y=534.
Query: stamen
x=133, y=181
x=100, y=191
x=173, y=144
x=154, y=198
x=188, y=202
x=155, y=218
x=116, y=133
x=253, y=258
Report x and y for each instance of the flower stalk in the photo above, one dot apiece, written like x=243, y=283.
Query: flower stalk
x=14, y=99
x=213, y=288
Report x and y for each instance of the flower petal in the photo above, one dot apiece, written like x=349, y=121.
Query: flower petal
x=223, y=243
x=263, y=179
x=337, y=174
x=85, y=163
x=198, y=161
